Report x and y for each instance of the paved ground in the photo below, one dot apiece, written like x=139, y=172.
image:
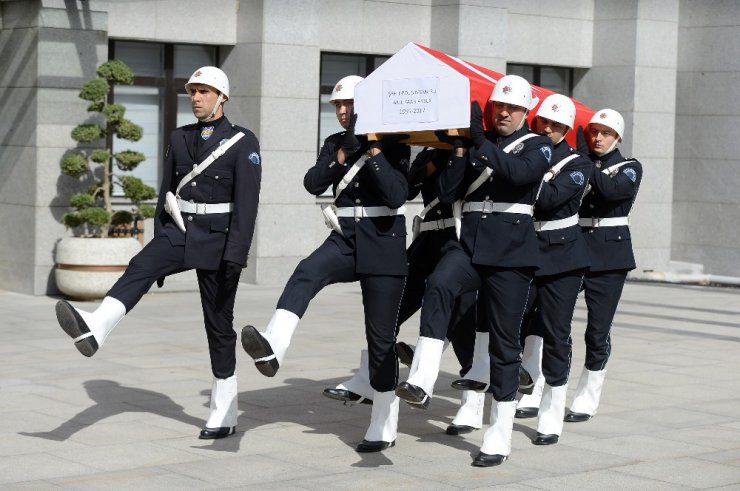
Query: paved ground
x=128, y=418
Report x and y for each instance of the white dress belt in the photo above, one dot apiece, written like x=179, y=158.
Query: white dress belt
x=604, y=222
x=440, y=224
x=369, y=211
x=204, y=208
x=489, y=206
x=556, y=224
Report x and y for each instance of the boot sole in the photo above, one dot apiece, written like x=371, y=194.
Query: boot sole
x=74, y=325
x=257, y=347
x=411, y=399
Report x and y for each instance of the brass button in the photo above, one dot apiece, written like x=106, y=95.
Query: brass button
x=193, y=184
x=357, y=184
x=591, y=231
x=190, y=218
x=518, y=221
x=227, y=229
x=216, y=177
x=358, y=200
x=619, y=237
x=439, y=212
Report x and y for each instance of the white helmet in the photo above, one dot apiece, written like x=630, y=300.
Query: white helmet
x=513, y=89
x=558, y=108
x=345, y=88
x=610, y=118
x=211, y=76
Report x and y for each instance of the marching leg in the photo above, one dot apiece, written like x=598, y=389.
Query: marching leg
x=268, y=348
x=417, y=390
x=479, y=376
x=497, y=440
x=357, y=389
x=470, y=415
x=588, y=394
x=552, y=410
x=532, y=362
x=222, y=419
x=383, y=423
x=89, y=330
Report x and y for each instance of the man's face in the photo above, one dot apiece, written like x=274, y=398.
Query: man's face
x=343, y=109
x=601, y=138
x=202, y=99
x=551, y=129
x=507, y=117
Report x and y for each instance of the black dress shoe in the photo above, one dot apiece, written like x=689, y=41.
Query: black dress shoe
x=346, y=396
x=545, y=439
x=413, y=395
x=215, y=433
x=526, y=384
x=459, y=429
x=572, y=417
x=367, y=447
x=485, y=460
x=526, y=412
x=467, y=384
x=75, y=326
x=257, y=347
x=405, y=353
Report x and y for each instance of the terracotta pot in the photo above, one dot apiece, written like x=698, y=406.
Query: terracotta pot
x=87, y=268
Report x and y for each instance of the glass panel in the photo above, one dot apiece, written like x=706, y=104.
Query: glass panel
x=379, y=60
x=556, y=79
x=525, y=71
x=334, y=67
x=143, y=107
x=188, y=58
x=145, y=59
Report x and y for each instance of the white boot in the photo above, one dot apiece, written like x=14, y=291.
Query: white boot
x=552, y=411
x=224, y=405
x=268, y=348
x=418, y=389
x=478, y=377
x=89, y=330
x=470, y=415
x=381, y=433
x=532, y=363
x=497, y=439
x=588, y=394
x=358, y=386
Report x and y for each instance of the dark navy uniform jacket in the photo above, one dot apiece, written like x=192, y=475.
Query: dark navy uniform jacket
x=429, y=243
x=233, y=178
x=563, y=249
x=379, y=243
x=610, y=248
x=499, y=239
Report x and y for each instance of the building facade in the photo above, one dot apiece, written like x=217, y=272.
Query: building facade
x=669, y=66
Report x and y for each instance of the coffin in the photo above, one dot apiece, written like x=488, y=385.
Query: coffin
x=419, y=90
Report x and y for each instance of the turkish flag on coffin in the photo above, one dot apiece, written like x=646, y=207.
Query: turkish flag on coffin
x=419, y=90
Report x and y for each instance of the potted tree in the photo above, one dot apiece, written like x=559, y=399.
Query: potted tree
x=90, y=262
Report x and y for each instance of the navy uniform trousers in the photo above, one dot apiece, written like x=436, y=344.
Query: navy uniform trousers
x=381, y=298
x=602, y=291
x=160, y=258
x=503, y=294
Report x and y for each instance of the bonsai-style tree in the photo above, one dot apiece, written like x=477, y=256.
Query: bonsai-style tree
x=93, y=159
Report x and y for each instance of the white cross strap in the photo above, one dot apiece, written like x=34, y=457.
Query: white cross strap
x=218, y=152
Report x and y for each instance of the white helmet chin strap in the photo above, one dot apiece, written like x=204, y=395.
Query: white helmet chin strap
x=215, y=108
x=612, y=147
x=521, y=123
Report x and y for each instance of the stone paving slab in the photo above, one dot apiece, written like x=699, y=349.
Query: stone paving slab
x=128, y=418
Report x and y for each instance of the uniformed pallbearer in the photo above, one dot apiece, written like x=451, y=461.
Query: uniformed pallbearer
x=604, y=220
x=204, y=221
x=367, y=244
x=497, y=181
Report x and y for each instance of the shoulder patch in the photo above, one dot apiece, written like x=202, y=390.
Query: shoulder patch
x=547, y=152
x=254, y=157
x=578, y=177
x=631, y=173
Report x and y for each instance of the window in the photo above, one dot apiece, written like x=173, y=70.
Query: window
x=334, y=66
x=557, y=79
x=157, y=100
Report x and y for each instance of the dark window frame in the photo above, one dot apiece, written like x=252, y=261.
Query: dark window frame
x=537, y=74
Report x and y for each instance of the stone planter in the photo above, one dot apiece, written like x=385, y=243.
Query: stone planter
x=87, y=268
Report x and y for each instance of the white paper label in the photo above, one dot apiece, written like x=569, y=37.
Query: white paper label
x=410, y=100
